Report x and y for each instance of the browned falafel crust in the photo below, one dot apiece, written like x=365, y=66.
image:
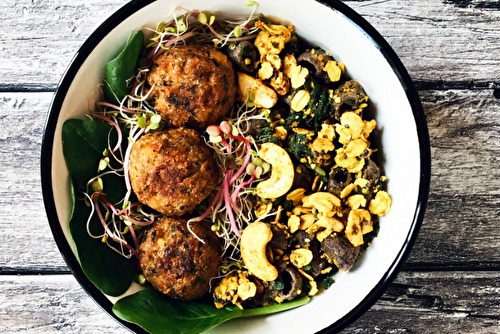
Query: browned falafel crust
x=192, y=85
x=175, y=262
x=172, y=171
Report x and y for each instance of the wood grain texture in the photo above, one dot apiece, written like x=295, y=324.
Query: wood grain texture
x=42, y=36
x=440, y=40
x=447, y=302
x=451, y=281
x=436, y=40
x=435, y=302
x=50, y=304
x=26, y=240
x=464, y=203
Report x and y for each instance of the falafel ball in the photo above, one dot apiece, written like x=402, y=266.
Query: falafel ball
x=172, y=171
x=192, y=85
x=175, y=262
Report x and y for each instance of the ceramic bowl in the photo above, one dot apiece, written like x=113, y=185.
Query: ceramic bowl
x=401, y=127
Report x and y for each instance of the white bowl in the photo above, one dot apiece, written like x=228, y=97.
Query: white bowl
x=401, y=125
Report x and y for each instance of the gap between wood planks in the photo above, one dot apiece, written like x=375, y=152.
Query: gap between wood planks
x=419, y=85
x=423, y=267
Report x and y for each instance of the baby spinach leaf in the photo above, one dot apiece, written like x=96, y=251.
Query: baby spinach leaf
x=83, y=144
x=120, y=69
x=109, y=271
x=158, y=314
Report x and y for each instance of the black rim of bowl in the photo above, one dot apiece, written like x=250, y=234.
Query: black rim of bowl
x=131, y=8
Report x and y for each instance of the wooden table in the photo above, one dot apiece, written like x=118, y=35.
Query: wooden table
x=451, y=281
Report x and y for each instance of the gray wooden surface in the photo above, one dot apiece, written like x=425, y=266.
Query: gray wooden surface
x=450, y=283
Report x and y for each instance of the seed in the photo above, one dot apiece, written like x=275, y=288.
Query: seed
x=215, y=139
x=265, y=167
x=103, y=163
x=181, y=26
x=237, y=32
x=257, y=161
x=213, y=130
x=251, y=96
x=234, y=131
x=250, y=169
x=258, y=171
x=97, y=185
x=319, y=171
x=226, y=127
x=202, y=18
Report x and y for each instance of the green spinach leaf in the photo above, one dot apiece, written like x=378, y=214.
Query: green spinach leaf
x=109, y=271
x=83, y=144
x=321, y=112
x=159, y=314
x=299, y=146
x=120, y=69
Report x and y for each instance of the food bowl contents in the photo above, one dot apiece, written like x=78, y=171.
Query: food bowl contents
x=172, y=170
x=284, y=173
x=175, y=262
x=192, y=85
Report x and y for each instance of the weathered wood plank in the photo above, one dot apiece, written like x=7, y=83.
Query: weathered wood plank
x=462, y=214
x=460, y=222
x=436, y=302
x=447, y=302
x=440, y=40
x=26, y=238
x=40, y=38
x=50, y=304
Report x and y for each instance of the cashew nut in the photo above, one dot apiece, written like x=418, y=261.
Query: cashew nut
x=282, y=172
x=253, y=251
x=253, y=90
